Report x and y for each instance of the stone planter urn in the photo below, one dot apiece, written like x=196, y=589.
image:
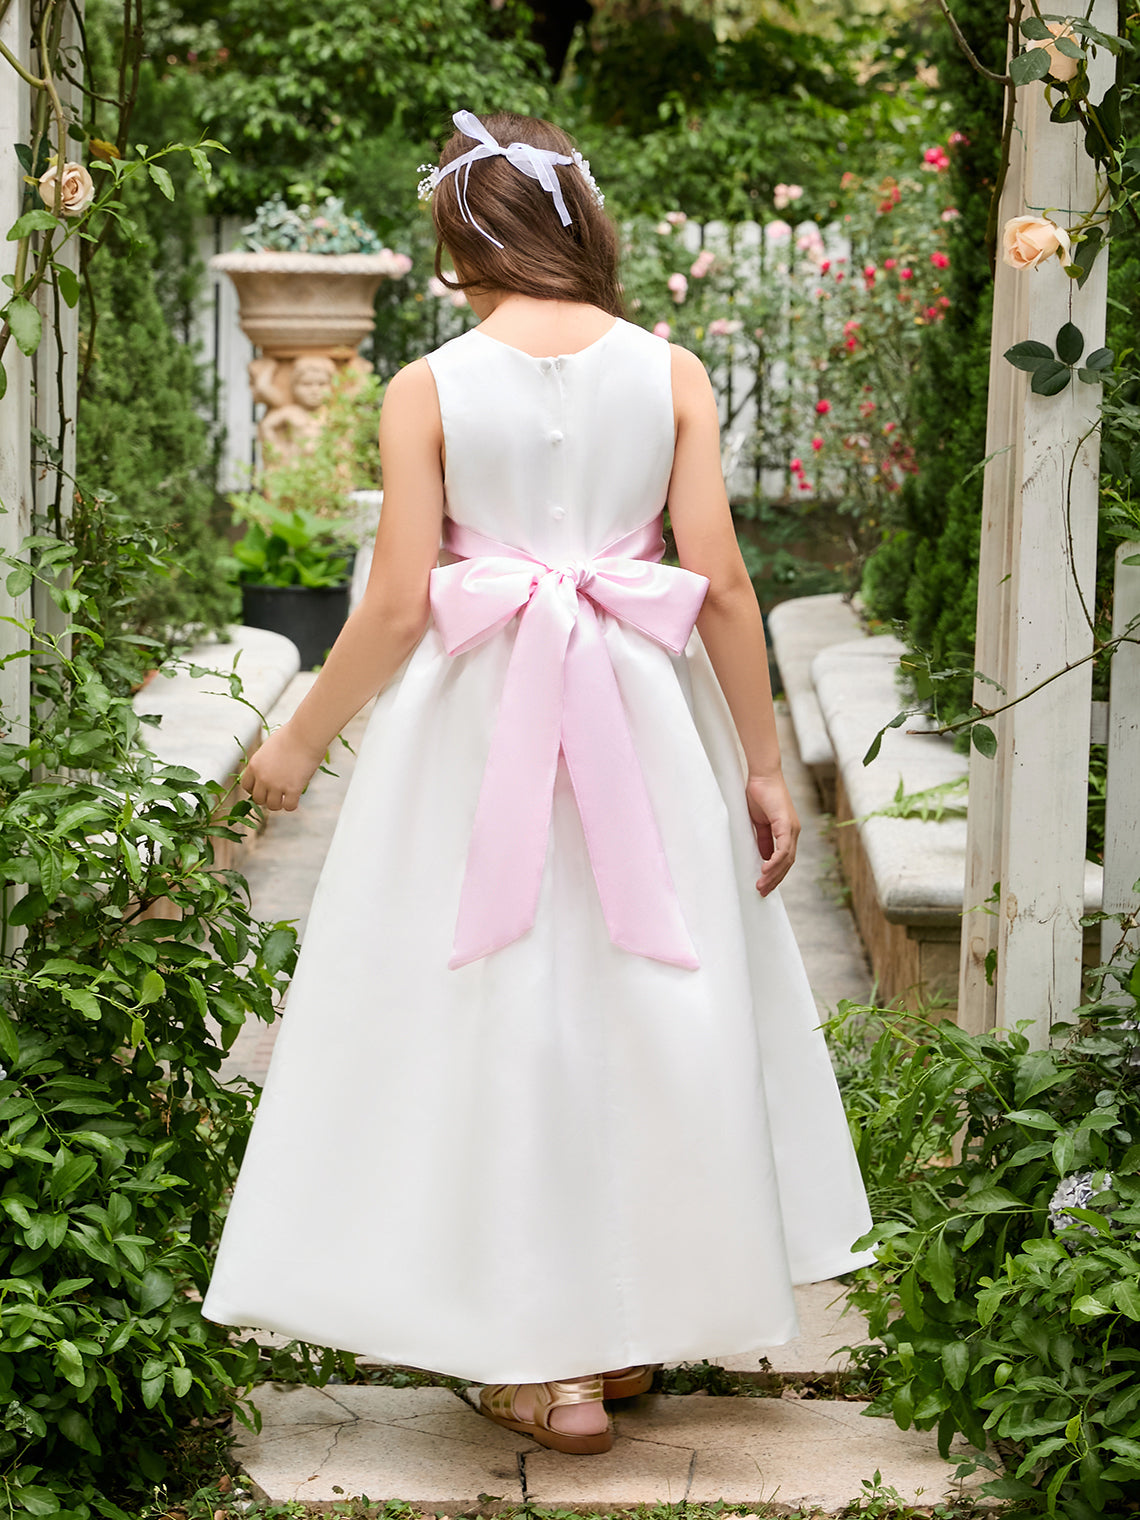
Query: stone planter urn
x=306, y=313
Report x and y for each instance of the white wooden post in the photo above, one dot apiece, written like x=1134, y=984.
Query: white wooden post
x=56, y=359
x=1122, y=809
x=15, y=408
x=1026, y=826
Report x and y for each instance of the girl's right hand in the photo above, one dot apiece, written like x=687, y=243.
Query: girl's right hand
x=279, y=771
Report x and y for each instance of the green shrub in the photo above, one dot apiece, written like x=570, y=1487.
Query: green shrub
x=117, y=1139
x=1006, y=1296
x=142, y=437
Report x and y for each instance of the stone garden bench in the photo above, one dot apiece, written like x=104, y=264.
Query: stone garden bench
x=906, y=875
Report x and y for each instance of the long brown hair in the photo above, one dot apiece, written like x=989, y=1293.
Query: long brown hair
x=540, y=257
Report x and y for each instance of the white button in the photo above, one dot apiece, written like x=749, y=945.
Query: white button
x=558, y=512
x=544, y=365
x=558, y=364
x=556, y=436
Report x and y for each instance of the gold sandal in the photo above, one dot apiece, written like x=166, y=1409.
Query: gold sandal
x=497, y=1402
x=626, y=1382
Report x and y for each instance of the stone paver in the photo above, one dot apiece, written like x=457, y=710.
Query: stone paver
x=824, y=927
x=428, y=1446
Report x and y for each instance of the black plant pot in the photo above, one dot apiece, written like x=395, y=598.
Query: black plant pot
x=311, y=616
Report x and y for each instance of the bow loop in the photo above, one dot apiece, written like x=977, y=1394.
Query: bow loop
x=560, y=695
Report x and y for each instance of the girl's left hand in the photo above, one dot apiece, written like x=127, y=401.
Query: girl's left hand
x=279, y=771
x=777, y=827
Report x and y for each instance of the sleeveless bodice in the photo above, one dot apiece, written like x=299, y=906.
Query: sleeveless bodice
x=561, y=455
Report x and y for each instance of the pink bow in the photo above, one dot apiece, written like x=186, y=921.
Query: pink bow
x=561, y=693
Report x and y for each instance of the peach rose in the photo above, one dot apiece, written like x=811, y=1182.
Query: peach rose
x=77, y=193
x=1061, y=66
x=1026, y=240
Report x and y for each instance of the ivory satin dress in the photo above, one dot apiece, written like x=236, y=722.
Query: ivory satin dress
x=617, y=1137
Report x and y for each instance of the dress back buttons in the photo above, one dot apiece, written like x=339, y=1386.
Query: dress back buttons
x=556, y=436
x=558, y=512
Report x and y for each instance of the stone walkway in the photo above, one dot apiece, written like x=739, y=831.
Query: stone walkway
x=428, y=1446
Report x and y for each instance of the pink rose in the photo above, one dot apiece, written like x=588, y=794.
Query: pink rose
x=662, y=330
x=437, y=288
x=777, y=231
x=796, y=466
x=906, y=273
x=890, y=263
x=951, y=214
x=1026, y=240
x=678, y=284
x=936, y=159
x=823, y=406
x=701, y=264
x=676, y=218
x=784, y=195
x=723, y=327
x=817, y=443
x=939, y=259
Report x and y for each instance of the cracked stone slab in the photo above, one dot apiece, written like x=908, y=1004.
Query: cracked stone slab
x=795, y=1453
x=324, y=1445
x=427, y=1446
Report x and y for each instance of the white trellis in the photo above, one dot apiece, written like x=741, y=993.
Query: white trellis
x=1026, y=827
x=41, y=390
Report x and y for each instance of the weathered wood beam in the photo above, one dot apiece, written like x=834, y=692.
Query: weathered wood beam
x=1036, y=579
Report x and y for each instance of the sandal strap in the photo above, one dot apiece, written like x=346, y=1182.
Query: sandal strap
x=499, y=1399
x=549, y=1396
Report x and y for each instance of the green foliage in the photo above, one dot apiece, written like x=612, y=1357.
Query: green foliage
x=142, y=438
x=1006, y=1295
x=282, y=548
x=294, y=89
x=129, y=962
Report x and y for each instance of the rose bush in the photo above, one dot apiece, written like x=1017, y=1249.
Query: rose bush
x=809, y=334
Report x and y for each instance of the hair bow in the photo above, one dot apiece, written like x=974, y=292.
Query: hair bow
x=537, y=163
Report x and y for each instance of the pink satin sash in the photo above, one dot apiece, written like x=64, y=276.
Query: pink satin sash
x=561, y=695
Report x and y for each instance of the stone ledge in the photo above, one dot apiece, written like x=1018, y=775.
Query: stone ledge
x=907, y=876
x=800, y=629
x=203, y=727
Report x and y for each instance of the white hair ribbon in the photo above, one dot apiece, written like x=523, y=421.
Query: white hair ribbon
x=537, y=163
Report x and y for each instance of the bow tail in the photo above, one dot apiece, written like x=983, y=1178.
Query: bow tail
x=638, y=897
x=507, y=853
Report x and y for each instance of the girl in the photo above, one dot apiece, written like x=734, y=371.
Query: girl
x=551, y=1096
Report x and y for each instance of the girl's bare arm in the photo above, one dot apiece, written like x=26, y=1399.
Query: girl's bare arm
x=393, y=613
x=730, y=624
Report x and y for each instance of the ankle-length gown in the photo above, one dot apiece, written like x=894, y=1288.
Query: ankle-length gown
x=564, y=1155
